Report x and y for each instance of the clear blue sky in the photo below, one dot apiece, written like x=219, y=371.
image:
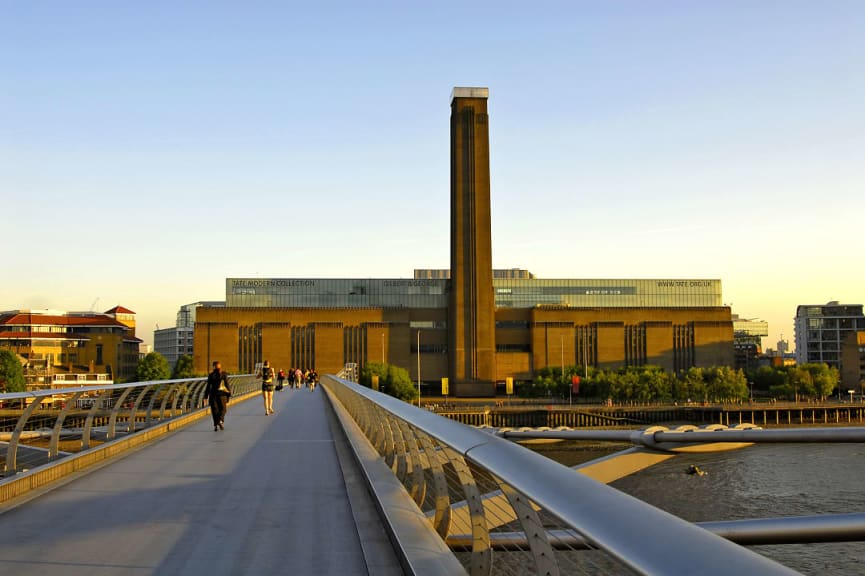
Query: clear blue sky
x=149, y=150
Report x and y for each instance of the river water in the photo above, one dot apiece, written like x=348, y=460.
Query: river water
x=757, y=482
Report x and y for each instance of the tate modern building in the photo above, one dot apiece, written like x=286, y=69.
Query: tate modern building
x=469, y=323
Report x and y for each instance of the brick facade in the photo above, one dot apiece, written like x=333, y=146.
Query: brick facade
x=530, y=339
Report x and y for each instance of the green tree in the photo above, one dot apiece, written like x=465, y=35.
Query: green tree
x=11, y=373
x=547, y=382
x=371, y=369
x=800, y=382
x=622, y=386
x=726, y=384
x=183, y=368
x=648, y=383
x=594, y=386
x=635, y=384
x=153, y=366
x=824, y=378
x=781, y=391
x=710, y=376
x=767, y=377
x=691, y=385
x=392, y=380
x=659, y=383
x=399, y=385
x=603, y=384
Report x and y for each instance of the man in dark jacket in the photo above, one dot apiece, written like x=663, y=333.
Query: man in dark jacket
x=218, y=391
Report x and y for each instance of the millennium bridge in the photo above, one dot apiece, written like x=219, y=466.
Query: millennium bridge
x=132, y=479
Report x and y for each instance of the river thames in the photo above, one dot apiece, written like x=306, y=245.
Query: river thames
x=757, y=482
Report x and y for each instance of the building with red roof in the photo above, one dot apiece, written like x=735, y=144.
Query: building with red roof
x=58, y=347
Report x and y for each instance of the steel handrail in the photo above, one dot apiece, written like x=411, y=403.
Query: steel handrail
x=848, y=527
x=645, y=538
x=719, y=434
x=42, y=393
x=187, y=395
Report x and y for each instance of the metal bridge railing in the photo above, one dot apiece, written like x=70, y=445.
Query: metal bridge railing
x=42, y=426
x=349, y=372
x=661, y=436
x=503, y=509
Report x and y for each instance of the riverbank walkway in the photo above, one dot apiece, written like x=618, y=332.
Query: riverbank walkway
x=269, y=495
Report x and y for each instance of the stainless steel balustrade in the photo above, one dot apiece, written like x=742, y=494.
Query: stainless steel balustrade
x=33, y=424
x=785, y=530
x=655, y=436
x=451, y=470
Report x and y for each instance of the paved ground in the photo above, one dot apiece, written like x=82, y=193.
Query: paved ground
x=266, y=496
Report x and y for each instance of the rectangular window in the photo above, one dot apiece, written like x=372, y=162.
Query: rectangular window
x=513, y=324
x=99, y=354
x=513, y=348
x=429, y=349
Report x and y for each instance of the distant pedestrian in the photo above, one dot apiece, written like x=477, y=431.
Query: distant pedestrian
x=266, y=375
x=298, y=378
x=280, y=379
x=218, y=392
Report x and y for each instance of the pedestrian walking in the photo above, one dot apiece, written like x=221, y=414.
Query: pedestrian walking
x=218, y=392
x=266, y=375
x=280, y=379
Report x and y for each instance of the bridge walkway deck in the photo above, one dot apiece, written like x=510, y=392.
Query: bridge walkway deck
x=266, y=496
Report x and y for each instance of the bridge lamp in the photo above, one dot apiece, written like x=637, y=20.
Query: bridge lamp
x=418, y=367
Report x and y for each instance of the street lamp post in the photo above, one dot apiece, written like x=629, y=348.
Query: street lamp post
x=418, y=368
x=563, y=369
x=586, y=355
